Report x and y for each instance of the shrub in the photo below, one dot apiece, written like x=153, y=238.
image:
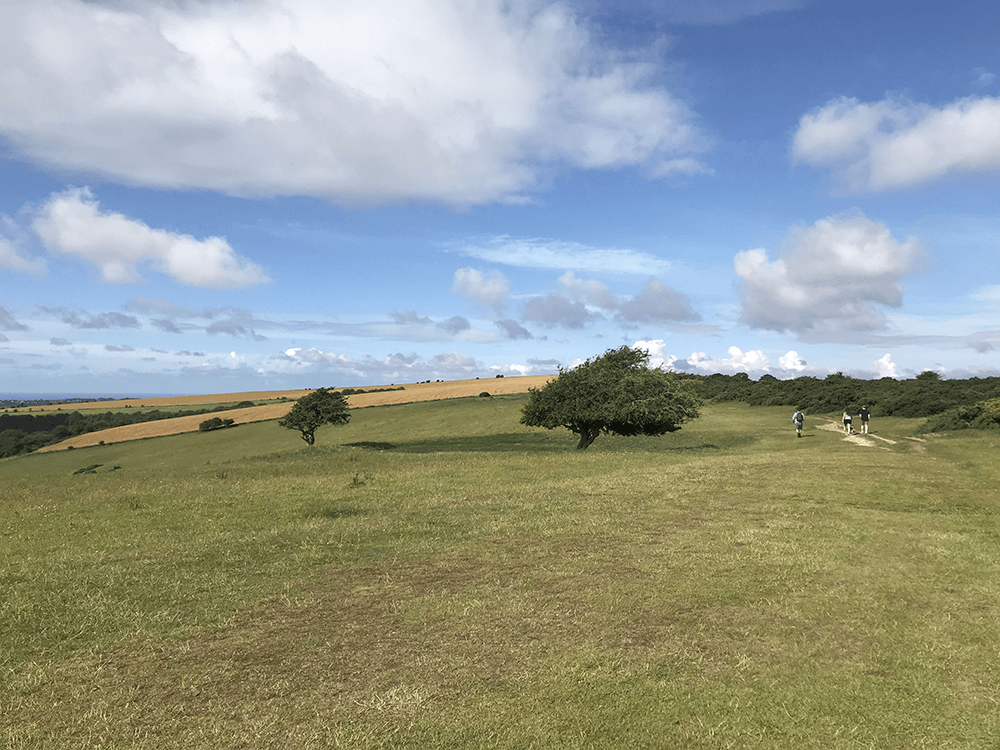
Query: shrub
x=981, y=416
x=215, y=423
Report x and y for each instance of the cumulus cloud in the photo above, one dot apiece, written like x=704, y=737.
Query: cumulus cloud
x=833, y=276
x=657, y=303
x=488, y=289
x=885, y=367
x=658, y=355
x=358, y=102
x=72, y=222
x=754, y=362
x=792, y=362
x=895, y=143
x=557, y=254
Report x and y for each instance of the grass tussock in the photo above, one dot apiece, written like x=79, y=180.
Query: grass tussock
x=484, y=585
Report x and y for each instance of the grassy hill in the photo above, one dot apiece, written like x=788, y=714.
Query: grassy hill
x=480, y=584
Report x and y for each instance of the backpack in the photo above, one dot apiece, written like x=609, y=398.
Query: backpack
x=798, y=417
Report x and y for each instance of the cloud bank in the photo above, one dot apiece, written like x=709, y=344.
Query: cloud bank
x=579, y=302
x=451, y=101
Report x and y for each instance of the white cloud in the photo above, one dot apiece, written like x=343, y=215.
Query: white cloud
x=753, y=362
x=357, y=101
x=885, y=367
x=488, y=289
x=895, y=143
x=834, y=276
x=556, y=254
x=658, y=356
x=792, y=362
x=394, y=368
x=72, y=222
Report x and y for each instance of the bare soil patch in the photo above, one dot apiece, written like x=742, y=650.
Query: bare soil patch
x=861, y=440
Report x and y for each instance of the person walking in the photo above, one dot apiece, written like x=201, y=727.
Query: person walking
x=864, y=414
x=797, y=419
x=847, y=422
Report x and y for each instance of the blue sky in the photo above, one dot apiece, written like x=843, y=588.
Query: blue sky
x=206, y=196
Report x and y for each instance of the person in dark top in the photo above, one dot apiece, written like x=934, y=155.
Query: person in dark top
x=864, y=414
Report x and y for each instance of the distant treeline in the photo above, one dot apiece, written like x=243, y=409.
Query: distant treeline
x=923, y=396
x=948, y=404
x=23, y=433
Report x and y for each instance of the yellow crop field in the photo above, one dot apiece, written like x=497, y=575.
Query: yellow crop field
x=410, y=393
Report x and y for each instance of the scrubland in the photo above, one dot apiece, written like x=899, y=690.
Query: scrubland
x=435, y=575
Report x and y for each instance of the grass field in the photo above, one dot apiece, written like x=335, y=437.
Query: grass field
x=483, y=585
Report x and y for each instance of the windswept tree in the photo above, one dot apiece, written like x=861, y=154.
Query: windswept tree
x=312, y=411
x=616, y=393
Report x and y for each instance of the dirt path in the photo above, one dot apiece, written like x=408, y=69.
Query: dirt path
x=865, y=441
x=177, y=425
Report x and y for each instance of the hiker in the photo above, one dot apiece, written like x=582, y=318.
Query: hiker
x=847, y=422
x=797, y=418
x=864, y=414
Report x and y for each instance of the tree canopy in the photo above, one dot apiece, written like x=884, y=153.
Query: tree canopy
x=615, y=393
x=312, y=411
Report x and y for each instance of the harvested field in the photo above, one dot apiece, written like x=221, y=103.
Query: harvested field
x=410, y=393
x=211, y=398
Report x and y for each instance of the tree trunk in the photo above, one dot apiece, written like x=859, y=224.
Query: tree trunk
x=587, y=436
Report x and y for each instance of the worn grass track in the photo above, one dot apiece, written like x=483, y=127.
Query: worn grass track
x=484, y=585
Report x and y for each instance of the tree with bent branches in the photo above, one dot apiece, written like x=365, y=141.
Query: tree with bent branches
x=312, y=411
x=616, y=393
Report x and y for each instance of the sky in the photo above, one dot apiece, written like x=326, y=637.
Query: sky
x=213, y=196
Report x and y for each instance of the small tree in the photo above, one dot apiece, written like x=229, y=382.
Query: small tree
x=322, y=406
x=616, y=393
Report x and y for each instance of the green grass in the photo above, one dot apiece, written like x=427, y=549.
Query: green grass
x=483, y=585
